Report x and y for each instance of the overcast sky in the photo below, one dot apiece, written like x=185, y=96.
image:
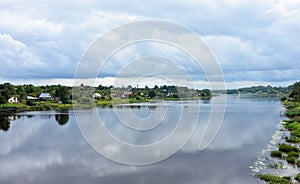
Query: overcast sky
x=255, y=42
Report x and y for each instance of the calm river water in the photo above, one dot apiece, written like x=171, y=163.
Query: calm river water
x=47, y=147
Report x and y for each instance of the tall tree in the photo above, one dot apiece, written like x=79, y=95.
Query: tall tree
x=296, y=92
x=62, y=93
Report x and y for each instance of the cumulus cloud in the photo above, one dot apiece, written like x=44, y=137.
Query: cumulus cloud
x=16, y=56
x=253, y=40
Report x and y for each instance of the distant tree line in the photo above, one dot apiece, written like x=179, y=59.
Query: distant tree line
x=83, y=93
x=262, y=90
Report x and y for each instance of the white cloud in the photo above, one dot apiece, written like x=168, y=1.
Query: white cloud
x=16, y=56
x=244, y=35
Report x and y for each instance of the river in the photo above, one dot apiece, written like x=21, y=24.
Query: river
x=48, y=147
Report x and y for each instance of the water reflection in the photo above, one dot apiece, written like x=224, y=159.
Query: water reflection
x=4, y=123
x=37, y=150
x=30, y=116
x=62, y=118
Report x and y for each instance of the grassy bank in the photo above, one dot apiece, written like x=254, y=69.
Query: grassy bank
x=290, y=149
x=9, y=108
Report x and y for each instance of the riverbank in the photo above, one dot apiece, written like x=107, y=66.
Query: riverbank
x=287, y=151
x=11, y=108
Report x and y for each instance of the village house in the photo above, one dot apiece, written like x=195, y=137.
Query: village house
x=45, y=96
x=126, y=94
x=13, y=100
x=31, y=98
x=96, y=95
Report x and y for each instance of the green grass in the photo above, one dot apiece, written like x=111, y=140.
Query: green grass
x=277, y=154
x=286, y=151
x=293, y=139
x=272, y=179
x=291, y=160
x=292, y=125
x=13, y=105
x=294, y=128
x=293, y=109
x=287, y=148
x=293, y=154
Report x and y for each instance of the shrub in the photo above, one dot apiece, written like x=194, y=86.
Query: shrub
x=297, y=177
x=277, y=154
x=298, y=163
x=293, y=154
x=292, y=125
x=287, y=148
x=287, y=177
x=291, y=160
x=273, y=179
x=30, y=103
x=293, y=139
x=284, y=98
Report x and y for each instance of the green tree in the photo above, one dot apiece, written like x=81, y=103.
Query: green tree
x=296, y=92
x=4, y=95
x=151, y=94
x=62, y=93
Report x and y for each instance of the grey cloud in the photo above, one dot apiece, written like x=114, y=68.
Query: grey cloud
x=253, y=40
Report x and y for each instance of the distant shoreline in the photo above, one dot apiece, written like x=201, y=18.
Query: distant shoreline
x=13, y=108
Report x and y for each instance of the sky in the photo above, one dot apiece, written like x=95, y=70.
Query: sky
x=254, y=42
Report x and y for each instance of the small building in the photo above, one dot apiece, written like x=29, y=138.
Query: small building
x=45, y=96
x=31, y=98
x=126, y=94
x=96, y=95
x=13, y=100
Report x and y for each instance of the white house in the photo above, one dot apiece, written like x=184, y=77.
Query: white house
x=96, y=95
x=13, y=100
x=126, y=94
x=31, y=98
x=45, y=96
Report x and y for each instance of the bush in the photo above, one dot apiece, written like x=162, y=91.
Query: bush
x=287, y=177
x=69, y=101
x=284, y=98
x=297, y=177
x=291, y=160
x=292, y=125
x=277, y=154
x=293, y=154
x=175, y=96
x=298, y=163
x=287, y=148
x=30, y=103
x=293, y=139
x=273, y=179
